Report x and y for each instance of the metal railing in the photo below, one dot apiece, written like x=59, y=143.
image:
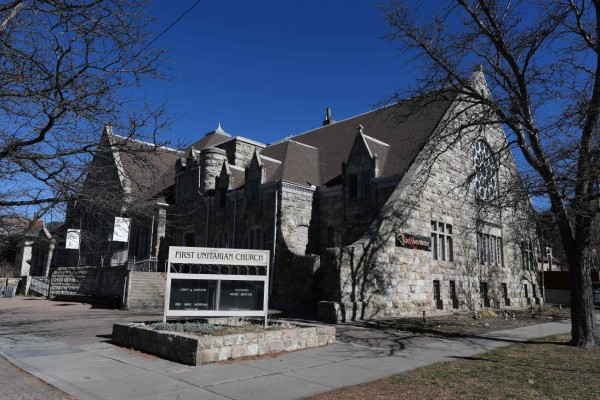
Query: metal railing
x=7, y=291
x=40, y=284
x=149, y=265
x=103, y=258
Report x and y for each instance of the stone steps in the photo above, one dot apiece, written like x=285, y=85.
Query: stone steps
x=147, y=291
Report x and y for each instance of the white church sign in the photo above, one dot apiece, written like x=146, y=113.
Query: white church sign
x=210, y=282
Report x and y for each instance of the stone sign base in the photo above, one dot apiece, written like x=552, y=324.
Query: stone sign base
x=192, y=349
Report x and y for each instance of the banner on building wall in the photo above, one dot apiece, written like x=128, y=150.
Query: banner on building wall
x=72, y=241
x=121, y=231
x=413, y=241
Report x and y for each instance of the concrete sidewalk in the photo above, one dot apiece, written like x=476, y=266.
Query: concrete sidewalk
x=104, y=371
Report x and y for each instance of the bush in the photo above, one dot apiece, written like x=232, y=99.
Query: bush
x=205, y=329
x=8, y=269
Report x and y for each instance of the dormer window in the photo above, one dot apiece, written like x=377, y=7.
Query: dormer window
x=222, y=198
x=352, y=186
x=365, y=178
x=253, y=190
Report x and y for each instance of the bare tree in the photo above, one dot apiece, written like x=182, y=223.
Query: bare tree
x=542, y=64
x=66, y=69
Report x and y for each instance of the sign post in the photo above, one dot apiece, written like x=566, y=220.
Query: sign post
x=210, y=282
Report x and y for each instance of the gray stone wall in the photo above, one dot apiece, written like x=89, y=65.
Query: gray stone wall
x=240, y=151
x=378, y=278
x=106, y=282
x=211, y=162
x=296, y=217
x=371, y=275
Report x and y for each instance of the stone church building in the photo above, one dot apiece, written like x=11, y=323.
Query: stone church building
x=385, y=213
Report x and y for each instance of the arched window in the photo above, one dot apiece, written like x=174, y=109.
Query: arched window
x=486, y=180
x=221, y=240
x=253, y=239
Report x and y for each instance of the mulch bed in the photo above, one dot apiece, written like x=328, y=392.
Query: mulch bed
x=467, y=323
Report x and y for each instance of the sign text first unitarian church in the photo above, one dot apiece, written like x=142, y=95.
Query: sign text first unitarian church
x=187, y=255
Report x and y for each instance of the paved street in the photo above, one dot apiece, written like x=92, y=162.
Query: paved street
x=71, y=323
x=66, y=345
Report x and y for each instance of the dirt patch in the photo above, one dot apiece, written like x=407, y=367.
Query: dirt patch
x=466, y=324
x=18, y=384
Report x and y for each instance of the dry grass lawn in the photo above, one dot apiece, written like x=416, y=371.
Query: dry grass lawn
x=544, y=369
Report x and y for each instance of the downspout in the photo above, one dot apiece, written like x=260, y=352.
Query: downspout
x=234, y=219
x=151, y=237
x=272, y=277
x=206, y=230
x=343, y=192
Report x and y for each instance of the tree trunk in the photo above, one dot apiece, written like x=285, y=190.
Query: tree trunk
x=583, y=322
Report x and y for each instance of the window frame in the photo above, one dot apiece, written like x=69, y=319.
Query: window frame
x=352, y=186
x=220, y=238
x=335, y=238
x=442, y=241
x=365, y=182
x=489, y=250
x=253, y=239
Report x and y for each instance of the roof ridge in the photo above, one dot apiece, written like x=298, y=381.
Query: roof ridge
x=376, y=140
x=291, y=137
x=303, y=144
x=242, y=138
x=271, y=159
x=148, y=143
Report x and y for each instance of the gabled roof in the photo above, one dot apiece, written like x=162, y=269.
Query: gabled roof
x=238, y=175
x=396, y=134
x=210, y=139
x=299, y=163
x=149, y=168
x=377, y=148
x=404, y=126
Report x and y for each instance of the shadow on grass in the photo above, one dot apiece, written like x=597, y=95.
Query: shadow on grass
x=472, y=358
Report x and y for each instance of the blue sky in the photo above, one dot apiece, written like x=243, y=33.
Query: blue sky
x=268, y=69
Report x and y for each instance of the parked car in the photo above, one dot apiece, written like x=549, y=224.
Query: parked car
x=596, y=293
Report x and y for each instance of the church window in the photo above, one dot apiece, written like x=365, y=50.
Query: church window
x=221, y=240
x=352, y=186
x=366, y=183
x=254, y=190
x=189, y=239
x=253, y=239
x=441, y=241
x=489, y=249
x=334, y=237
x=529, y=254
x=486, y=181
x=222, y=198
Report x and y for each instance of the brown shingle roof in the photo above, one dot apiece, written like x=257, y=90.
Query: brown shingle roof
x=208, y=140
x=405, y=126
x=377, y=148
x=150, y=168
x=238, y=176
x=299, y=162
